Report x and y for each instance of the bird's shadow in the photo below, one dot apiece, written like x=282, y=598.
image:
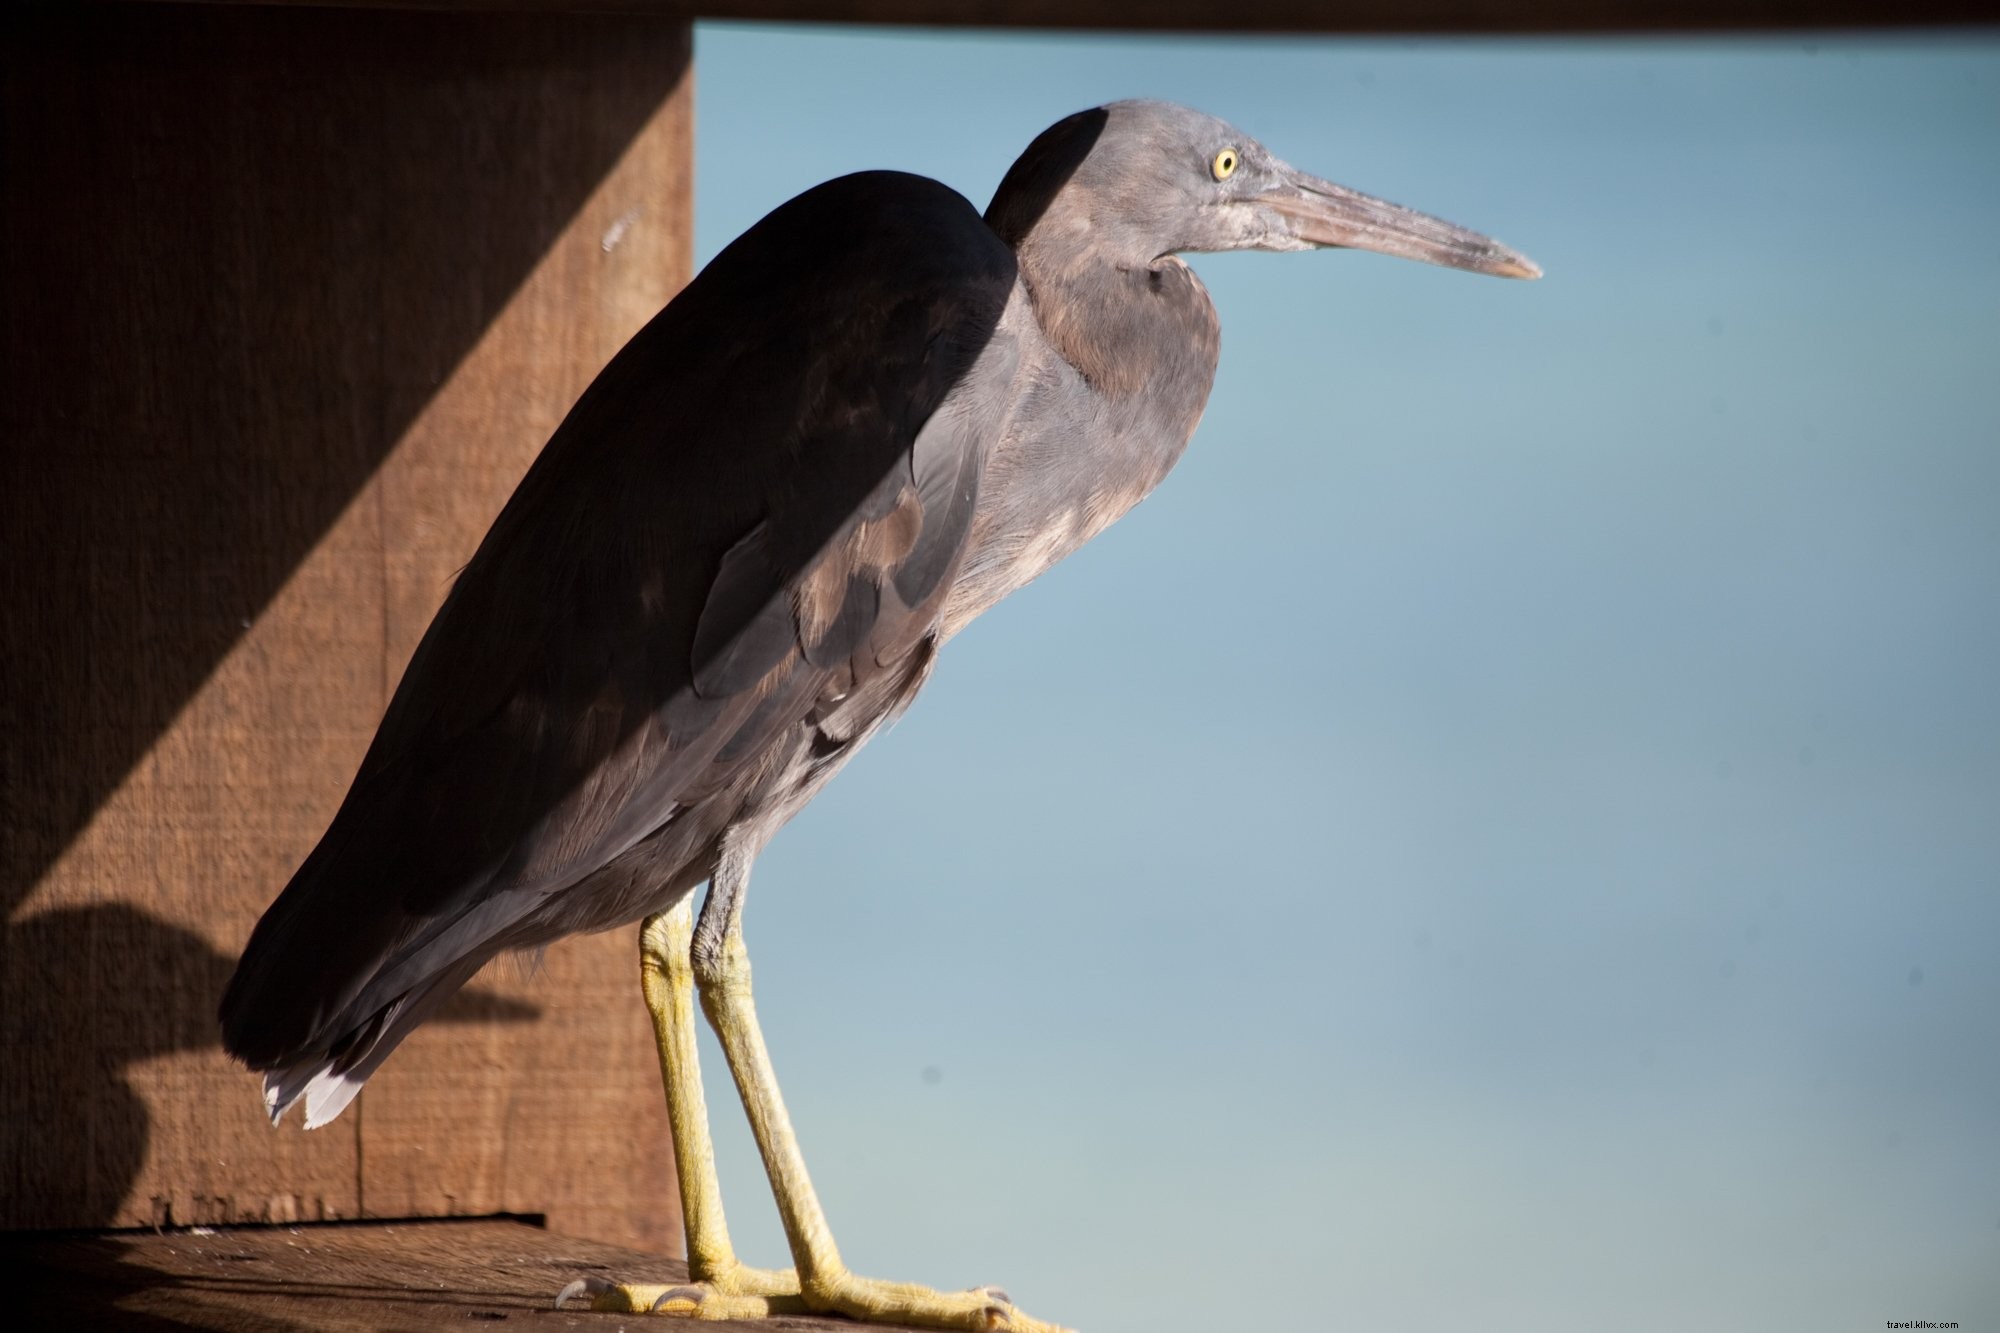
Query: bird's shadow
x=75, y=1130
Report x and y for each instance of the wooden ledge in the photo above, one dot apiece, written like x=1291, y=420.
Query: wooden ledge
x=1287, y=16
x=423, y=1275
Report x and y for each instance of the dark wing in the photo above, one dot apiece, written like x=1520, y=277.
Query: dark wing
x=758, y=494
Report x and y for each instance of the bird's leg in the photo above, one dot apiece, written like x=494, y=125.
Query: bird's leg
x=719, y=1285
x=676, y=961
x=666, y=973
x=722, y=973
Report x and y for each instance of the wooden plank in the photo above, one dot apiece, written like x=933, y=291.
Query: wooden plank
x=540, y=1117
x=1349, y=16
x=387, y=1276
x=291, y=298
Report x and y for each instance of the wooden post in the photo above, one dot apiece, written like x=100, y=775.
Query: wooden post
x=291, y=298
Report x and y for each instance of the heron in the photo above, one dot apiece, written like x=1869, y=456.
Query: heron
x=867, y=420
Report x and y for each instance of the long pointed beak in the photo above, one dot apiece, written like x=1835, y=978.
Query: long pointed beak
x=1322, y=213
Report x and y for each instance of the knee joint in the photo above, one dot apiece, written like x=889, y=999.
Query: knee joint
x=721, y=965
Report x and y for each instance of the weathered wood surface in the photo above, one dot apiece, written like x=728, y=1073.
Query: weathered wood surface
x=288, y=301
x=388, y=1276
x=1372, y=16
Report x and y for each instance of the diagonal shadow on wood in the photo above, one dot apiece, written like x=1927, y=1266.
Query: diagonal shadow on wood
x=241, y=248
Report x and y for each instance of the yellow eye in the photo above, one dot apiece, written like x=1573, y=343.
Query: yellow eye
x=1224, y=165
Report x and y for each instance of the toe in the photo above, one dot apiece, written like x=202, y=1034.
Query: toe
x=685, y=1301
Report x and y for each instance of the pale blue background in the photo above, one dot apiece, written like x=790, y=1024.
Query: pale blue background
x=1509, y=836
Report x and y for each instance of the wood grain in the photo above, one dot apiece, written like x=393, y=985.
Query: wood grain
x=291, y=299
x=342, y=1279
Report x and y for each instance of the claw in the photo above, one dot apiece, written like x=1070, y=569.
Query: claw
x=688, y=1299
x=592, y=1287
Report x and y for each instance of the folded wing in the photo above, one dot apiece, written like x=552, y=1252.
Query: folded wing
x=749, y=519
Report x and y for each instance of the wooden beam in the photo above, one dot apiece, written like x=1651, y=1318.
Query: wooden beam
x=1291, y=16
x=292, y=298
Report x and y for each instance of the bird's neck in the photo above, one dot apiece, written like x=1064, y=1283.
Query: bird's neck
x=1136, y=327
x=1115, y=371
x=1115, y=313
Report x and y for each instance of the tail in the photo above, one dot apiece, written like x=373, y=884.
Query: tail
x=350, y=959
x=331, y=982
x=328, y=1080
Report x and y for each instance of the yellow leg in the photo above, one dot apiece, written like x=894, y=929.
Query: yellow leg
x=715, y=961
x=824, y=1282
x=720, y=1286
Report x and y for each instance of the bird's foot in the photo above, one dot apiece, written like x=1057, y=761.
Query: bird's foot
x=750, y=1293
x=980, y=1310
x=740, y=1292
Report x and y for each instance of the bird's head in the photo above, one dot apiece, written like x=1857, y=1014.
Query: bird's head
x=1137, y=180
